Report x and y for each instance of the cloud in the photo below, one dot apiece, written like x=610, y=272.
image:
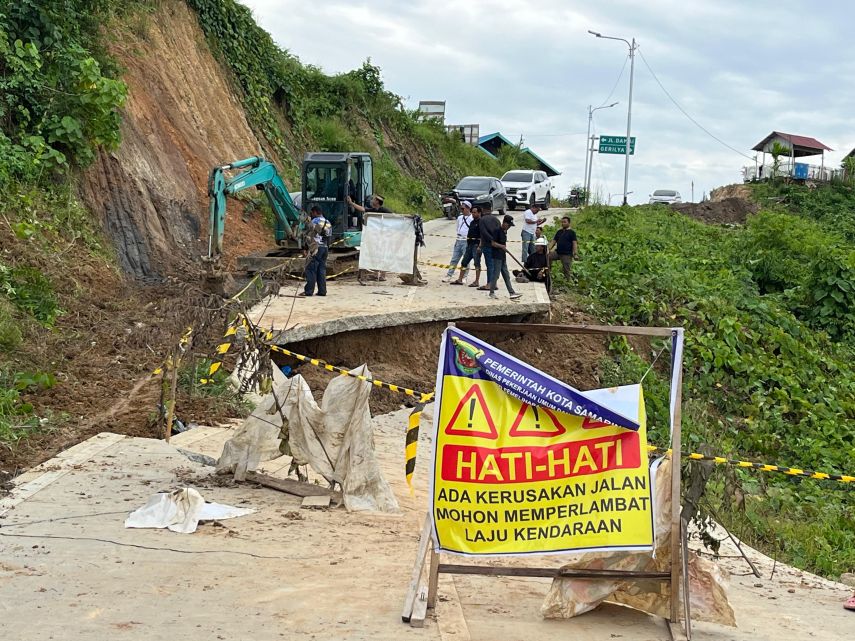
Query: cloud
x=740, y=69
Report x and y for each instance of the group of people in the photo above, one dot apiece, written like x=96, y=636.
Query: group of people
x=481, y=234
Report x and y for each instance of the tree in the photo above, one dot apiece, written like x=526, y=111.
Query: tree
x=848, y=165
x=777, y=151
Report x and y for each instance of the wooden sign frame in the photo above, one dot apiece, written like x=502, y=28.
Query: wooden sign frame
x=422, y=596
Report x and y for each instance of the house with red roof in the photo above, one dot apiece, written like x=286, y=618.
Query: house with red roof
x=797, y=147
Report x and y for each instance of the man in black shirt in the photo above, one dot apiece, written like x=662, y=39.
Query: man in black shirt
x=500, y=264
x=473, y=250
x=564, y=247
x=489, y=227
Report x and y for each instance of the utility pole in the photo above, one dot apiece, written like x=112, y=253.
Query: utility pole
x=589, y=153
x=632, y=47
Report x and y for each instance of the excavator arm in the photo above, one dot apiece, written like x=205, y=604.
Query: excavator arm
x=262, y=175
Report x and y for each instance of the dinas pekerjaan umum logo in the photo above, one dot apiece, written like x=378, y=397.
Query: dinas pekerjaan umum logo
x=465, y=357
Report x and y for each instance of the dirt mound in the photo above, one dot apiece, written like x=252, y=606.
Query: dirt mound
x=180, y=120
x=738, y=190
x=730, y=211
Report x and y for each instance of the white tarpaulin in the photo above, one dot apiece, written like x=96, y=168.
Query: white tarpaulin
x=388, y=243
x=335, y=438
x=181, y=511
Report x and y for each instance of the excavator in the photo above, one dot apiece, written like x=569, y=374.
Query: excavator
x=327, y=180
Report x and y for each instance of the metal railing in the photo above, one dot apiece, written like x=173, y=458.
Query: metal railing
x=798, y=170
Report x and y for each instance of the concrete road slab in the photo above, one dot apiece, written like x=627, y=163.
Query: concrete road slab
x=349, y=306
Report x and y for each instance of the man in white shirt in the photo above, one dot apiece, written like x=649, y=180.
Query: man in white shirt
x=530, y=224
x=463, y=222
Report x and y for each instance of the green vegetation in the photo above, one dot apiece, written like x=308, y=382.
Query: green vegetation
x=769, y=372
x=17, y=417
x=60, y=95
x=224, y=399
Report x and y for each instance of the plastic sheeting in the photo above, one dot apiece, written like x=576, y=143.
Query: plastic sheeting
x=388, y=243
x=568, y=598
x=181, y=511
x=335, y=438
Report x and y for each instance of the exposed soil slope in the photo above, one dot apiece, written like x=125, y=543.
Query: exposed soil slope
x=181, y=119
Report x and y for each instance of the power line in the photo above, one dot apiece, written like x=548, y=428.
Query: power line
x=524, y=135
x=685, y=113
x=620, y=75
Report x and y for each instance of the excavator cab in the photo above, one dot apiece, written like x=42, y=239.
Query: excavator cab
x=328, y=179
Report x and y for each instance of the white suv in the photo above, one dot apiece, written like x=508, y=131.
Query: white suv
x=526, y=187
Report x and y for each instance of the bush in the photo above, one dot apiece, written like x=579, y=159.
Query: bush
x=59, y=102
x=30, y=291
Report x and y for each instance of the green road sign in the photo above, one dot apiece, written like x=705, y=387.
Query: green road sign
x=616, y=145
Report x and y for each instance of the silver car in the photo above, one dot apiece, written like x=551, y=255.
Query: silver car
x=665, y=197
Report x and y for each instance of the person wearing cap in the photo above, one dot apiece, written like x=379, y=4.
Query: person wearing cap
x=500, y=261
x=464, y=220
x=317, y=234
x=473, y=250
x=530, y=224
x=536, y=266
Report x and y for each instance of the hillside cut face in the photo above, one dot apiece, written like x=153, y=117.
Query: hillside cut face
x=180, y=120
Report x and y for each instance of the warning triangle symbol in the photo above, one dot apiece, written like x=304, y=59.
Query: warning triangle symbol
x=472, y=417
x=590, y=423
x=536, y=421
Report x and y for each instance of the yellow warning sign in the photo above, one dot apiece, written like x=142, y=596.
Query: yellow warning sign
x=510, y=478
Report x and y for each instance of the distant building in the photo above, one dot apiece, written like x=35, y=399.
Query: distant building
x=468, y=134
x=799, y=147
x=433, y=110
x=492, y=143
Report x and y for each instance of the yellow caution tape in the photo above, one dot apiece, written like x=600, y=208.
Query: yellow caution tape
x=456, y=238
x=443, y=266
x=762, y=467
x=222, y=350
x=424, y=397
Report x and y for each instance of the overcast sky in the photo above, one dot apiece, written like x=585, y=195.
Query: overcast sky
x=741, y=69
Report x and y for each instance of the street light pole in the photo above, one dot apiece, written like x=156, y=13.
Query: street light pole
x=587, y=145
x=632, y=47
x=589, y=148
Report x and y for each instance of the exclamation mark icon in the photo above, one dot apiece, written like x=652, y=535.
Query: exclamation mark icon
x=471, y=412
x=536, y=417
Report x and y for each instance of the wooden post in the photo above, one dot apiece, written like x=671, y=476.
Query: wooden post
x=433, y=579
x=415, y=577
x=170, y=404
x=677, y=558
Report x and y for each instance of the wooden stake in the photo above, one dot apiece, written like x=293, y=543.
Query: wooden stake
x=677, y=558
x=413, y=588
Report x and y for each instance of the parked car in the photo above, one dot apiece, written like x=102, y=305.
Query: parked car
x=526, y=187
x=485, y=191
x=665, y=197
